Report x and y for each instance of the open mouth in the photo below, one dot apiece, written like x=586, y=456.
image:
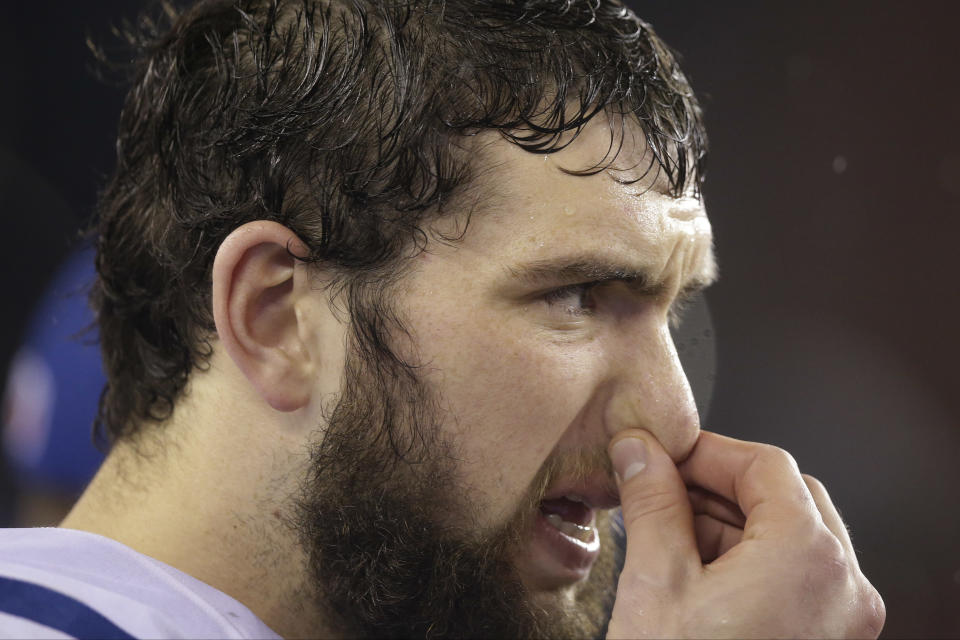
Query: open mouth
x=565, y=541
x=571, y=516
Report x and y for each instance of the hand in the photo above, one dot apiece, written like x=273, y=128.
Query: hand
x=752, y=548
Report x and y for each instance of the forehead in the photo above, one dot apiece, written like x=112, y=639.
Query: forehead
x=624, y=213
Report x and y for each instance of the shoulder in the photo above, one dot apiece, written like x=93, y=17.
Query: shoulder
x=62, y=583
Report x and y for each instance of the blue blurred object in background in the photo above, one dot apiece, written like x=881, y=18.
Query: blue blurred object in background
x=53, y=387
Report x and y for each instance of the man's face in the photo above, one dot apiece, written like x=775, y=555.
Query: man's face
x=533, y=357
x=540, y=334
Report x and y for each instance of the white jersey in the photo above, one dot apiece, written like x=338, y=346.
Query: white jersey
x=62, y=583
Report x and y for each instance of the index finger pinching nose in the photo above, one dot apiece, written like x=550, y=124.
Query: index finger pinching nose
x=629, y=457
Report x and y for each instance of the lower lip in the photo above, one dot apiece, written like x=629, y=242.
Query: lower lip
x=557, y=559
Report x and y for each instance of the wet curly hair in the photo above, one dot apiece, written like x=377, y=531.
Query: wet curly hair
x=351, y=122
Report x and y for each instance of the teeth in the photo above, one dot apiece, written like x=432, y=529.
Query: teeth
x=572, y=529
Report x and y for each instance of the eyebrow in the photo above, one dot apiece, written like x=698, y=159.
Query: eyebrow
x=585, y=268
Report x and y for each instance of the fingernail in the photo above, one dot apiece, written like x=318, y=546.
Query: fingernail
x=629, y=457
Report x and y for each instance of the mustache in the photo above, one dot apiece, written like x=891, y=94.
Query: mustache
x=578, y=465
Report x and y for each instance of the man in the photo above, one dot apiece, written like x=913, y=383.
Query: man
x=384, y=292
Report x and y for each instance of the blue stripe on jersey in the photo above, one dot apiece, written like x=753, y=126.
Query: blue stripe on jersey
x=56, y=610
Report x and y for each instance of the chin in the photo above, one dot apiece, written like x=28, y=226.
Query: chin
x=572, y=590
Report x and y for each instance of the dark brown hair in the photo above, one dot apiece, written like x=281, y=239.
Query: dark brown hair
x=350, y=122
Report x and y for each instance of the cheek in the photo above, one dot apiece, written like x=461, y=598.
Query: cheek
x=511, y=400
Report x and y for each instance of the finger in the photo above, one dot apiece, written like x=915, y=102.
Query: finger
x=762, y=480
x=657, y=517
x=717, y=507
x=714, y=537
x=830, y=514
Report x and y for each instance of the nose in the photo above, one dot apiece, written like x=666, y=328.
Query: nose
x=649, y=390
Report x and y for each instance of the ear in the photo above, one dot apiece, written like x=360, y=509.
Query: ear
x=256, y=288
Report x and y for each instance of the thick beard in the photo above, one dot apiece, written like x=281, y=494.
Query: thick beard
x=393, y=542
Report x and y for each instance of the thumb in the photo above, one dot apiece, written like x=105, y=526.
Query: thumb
x=657, y=515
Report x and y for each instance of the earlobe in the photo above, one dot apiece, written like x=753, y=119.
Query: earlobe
x=256, y=287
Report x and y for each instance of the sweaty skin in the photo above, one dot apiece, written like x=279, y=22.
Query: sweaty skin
x=530, y=375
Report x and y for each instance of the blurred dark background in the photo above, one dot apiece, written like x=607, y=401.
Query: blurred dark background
x=834, y=190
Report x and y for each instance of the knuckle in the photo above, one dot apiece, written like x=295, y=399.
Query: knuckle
x=776, y=456
x=827, y=558
x=871, y=613
x=874, y=613
x=830, y=549
x=814, y=484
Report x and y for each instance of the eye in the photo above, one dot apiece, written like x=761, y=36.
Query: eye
x=574, y=299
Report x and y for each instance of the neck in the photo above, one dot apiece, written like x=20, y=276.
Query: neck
x=206, y=512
